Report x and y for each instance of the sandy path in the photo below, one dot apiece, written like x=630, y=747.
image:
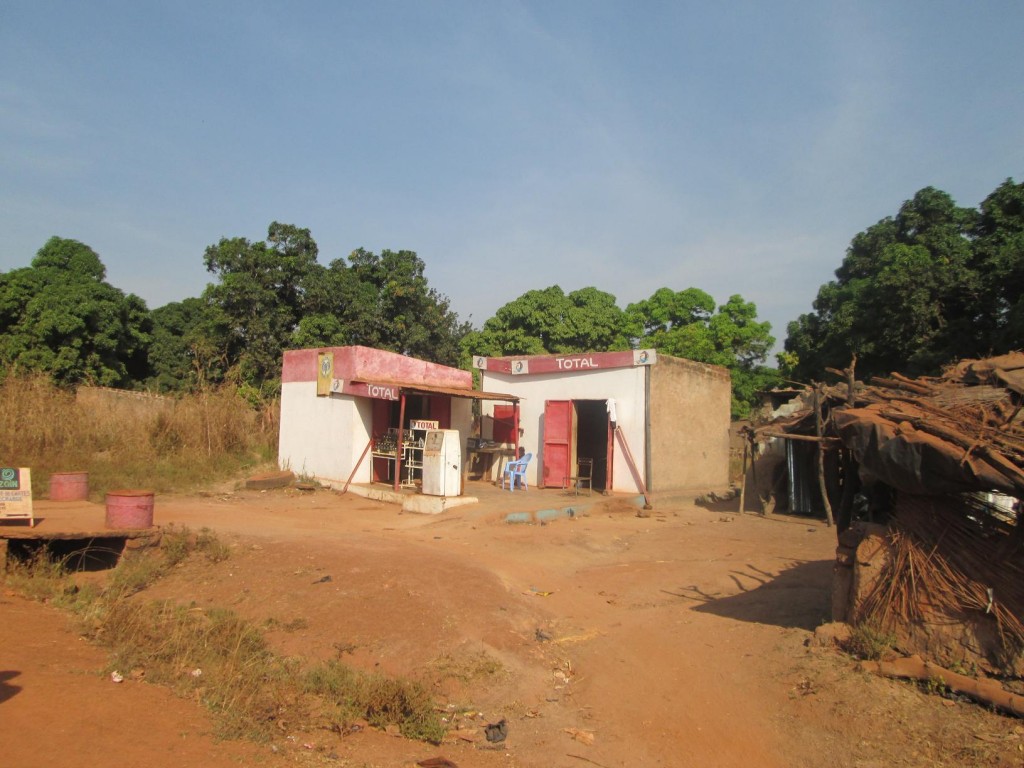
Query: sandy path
x=674, y=640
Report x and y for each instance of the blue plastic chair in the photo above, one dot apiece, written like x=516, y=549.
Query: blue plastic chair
x=516, y=469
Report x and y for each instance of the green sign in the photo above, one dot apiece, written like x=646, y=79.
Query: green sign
x=10, y=479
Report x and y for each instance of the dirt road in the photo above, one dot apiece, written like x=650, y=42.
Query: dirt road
x=608, y=639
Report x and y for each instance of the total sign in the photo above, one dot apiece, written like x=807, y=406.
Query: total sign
x=563, y=363
x=365, y=389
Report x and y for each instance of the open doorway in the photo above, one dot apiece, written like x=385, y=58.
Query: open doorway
x=592, y=438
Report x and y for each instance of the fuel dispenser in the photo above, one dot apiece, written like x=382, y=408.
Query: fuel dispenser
x=442, y=463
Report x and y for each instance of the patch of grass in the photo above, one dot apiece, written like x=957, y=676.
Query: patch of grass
x=41, y=577
x=869, y=641
x=934, y=686
x=468, y=667
x=213, y=656
x=134, y=573
x=292, y=625
x=209, y=544
x=176, y=544
x=381, y=700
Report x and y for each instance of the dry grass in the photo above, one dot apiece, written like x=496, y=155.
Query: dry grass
x=132, y=440
x=213, y=656
x=350, y=694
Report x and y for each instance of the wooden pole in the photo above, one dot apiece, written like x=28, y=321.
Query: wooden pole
x=366, y=450
x=850, y=483
x=399, y=447
x=819, y=430
x=743, y=479
x=628, y=454
x=753, y=475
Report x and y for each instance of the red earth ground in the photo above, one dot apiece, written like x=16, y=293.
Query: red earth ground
x=684, y=638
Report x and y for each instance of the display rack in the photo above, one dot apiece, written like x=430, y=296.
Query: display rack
x=385, y=448
x=412, y=464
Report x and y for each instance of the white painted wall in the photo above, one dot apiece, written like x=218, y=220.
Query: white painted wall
x=624, y=385
x=323, y=436
x=462, y=420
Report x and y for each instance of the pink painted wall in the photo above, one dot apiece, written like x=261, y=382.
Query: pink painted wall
x=364, y=363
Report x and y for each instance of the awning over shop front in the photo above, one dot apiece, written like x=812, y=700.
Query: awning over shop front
x=393, y=390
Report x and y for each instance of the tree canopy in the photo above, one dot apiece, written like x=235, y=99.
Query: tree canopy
x=549, y=321
x=259, y=298
x=59, y=316
x=934, y=283
x=382, y=301
x=687, y=324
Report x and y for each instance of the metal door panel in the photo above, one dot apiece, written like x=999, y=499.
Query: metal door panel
x=557, y=443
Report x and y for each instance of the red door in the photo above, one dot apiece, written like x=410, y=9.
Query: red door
x=557, y=442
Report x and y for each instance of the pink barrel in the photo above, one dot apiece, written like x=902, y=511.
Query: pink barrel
x=129, y=509
x=69, y=486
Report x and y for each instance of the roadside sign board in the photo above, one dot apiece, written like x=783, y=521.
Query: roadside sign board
x=16, y=494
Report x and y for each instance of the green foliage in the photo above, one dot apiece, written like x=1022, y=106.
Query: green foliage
x=259, y=299
x=59, y=317
x=135, y=572
x=919, y=290
x=382, y=301
x=549, y=321
x=183, y=355
x=273, y=296
x=41, y=577
x=178, y=542
x=685, y=324
x=998, y=250
x=212, y=655
x=215, y=550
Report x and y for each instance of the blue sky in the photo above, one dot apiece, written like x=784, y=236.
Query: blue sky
x=735, y=147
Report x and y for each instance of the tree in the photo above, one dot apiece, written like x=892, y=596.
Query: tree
x=685, y=324
x=260, y=298
x=999, y=259
x=60, y=317
x=382, y=301
x=906, y=297
x=183, y=354
x=549, y=321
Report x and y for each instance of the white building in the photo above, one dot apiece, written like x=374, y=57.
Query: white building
x=647, y=420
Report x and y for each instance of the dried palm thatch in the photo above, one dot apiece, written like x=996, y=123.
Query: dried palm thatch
x=952, y=557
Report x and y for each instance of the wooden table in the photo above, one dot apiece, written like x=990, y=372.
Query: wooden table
x=487, y=458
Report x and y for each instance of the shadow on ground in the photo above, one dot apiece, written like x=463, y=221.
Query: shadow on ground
x=7, y=690
x=798, y=597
